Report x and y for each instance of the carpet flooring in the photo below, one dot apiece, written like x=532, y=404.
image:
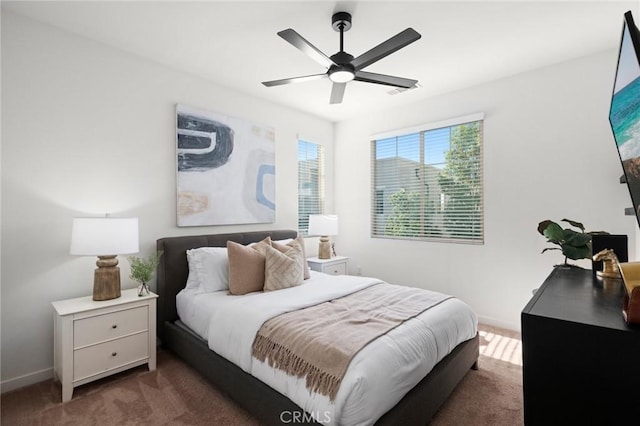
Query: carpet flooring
x=175, y=394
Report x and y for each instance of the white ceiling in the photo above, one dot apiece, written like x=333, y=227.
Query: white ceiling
x=235, y=45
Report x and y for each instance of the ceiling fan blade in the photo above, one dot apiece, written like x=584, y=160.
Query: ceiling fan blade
x=337, y=92
x=307, y=48
x=294, y=80
x=389, y=80
x=386, y=48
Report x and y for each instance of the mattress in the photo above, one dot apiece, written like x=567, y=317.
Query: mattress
x=377, y=377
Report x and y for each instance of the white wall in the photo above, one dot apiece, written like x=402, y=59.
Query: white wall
x=87, y=129
x=549, y=154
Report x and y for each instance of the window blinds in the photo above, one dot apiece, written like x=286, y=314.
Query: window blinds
x=310, y=183
x=428, y=184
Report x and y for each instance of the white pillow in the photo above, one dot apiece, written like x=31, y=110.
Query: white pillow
x=209, y=266
x=193, y=283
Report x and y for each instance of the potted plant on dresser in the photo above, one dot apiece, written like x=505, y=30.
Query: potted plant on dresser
x=574, y=244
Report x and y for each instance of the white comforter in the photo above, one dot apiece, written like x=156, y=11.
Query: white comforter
x=378, y=376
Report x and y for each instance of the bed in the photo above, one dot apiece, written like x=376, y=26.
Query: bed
x=417, y=406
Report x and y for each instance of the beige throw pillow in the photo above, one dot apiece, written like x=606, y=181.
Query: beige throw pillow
x=284, y=247
x=246, y=266
x=284, y=269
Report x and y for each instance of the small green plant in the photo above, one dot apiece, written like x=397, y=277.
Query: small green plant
x=142, y=269
x=574, y=244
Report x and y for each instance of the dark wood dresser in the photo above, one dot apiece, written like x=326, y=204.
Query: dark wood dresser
x=581, y=361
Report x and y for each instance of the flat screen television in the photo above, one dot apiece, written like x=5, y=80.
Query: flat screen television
x=624, y=114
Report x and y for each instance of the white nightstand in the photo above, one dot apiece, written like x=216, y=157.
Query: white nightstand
x=337, y=265
x=95, y=339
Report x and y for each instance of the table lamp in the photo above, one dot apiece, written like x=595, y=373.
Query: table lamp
x=105, y=237
x=323, y=225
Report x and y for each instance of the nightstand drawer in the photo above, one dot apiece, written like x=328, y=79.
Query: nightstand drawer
x=106, y=356
x=100, y=328
x=336, y=269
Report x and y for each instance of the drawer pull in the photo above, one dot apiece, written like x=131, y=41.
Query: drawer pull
x=114, y=353
x=114, y=326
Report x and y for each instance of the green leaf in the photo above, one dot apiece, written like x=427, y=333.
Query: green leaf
x=553, y=232
x=576, y=239
x=574, y=223
x=543, y=225
x=550, y=248
x=576, y=253
x=598, y=233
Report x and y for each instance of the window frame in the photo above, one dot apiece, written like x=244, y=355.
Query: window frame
x=378, y=225
x=319, y=200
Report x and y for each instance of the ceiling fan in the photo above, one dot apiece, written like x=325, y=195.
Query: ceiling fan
x=343, y=67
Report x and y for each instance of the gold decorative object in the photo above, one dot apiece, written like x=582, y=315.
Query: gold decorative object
x=631, y=301
x=610, y=263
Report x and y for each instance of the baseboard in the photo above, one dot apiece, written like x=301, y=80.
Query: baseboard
x=26, y=380
x=498, y=323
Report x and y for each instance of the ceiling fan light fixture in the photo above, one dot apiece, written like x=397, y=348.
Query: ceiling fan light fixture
x=341, y=76
x=342, y=67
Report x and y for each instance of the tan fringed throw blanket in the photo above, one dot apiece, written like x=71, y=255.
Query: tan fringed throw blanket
x=319, y=342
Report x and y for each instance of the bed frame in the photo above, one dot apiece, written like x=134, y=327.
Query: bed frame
x=269, y=406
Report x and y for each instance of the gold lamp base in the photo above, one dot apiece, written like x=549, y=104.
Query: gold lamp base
x=106, y=279
x=324, y=248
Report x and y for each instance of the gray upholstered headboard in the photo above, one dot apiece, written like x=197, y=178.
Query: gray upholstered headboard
x=173, y=269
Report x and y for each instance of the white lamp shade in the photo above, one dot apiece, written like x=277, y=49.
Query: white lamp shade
x=323, y=224
x=103, y=236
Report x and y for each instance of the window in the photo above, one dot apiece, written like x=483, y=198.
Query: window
x=310, y=182
x=427, y=182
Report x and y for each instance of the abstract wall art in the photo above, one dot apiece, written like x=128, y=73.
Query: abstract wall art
x=225, y=169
